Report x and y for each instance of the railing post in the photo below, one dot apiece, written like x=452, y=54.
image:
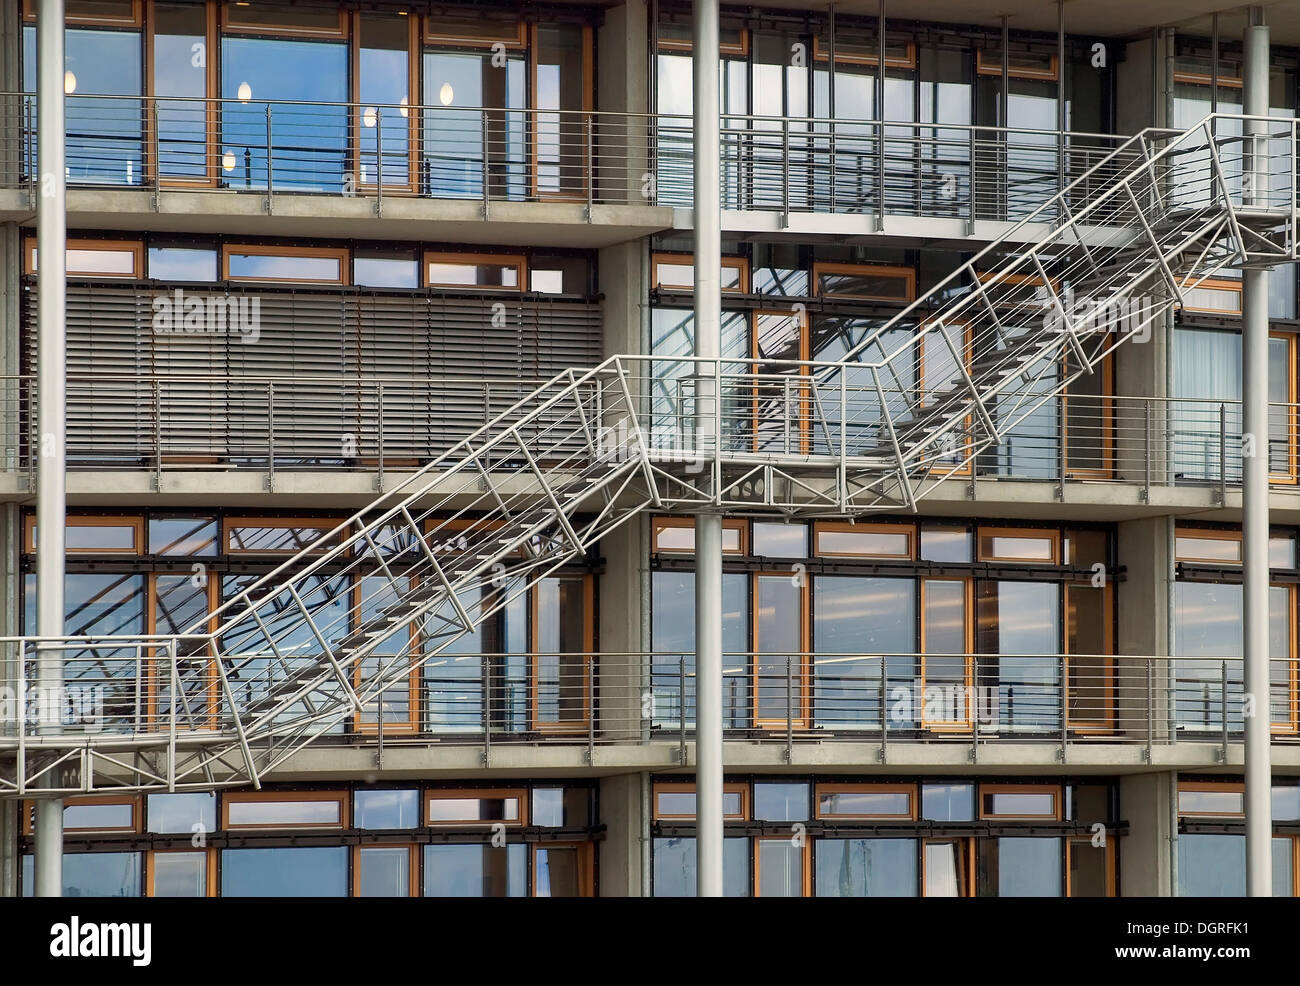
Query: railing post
x=485, y=691
x=1146, y=450
x=591, y=170
x=483, y=129
x=884, y=710
x=789, y=708
x=379, y=164
x=30, y=132
x=880, y=171
x=157, y=435
x=1223, y=454
x=270, y=437
x=591, y=709
x=269, y=182
x=155, y=153
x=681, y=709
x=1223, y=712
x=970, y=206
x=379, y=427
x=1060, y=449
x=1063, y=669
x=785, y=172
x=1151, y=718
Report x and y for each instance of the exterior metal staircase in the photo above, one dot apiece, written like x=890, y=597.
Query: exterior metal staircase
x=324, y=637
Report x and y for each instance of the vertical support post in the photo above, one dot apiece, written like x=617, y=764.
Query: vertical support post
x=1060, y=95
x=51, y=499
x=379, y=428
x=483, y=128
x=269, y=161
x=1254, y=487
x=379, y=162
x=789, y=708
x=1004, y=111
x=708, y=525
x=1223, y=454
x=830, y=96
x=270, y=436
x=681, y=709
x=880, y=118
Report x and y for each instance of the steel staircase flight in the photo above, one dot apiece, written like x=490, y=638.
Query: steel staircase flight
x=328, y=635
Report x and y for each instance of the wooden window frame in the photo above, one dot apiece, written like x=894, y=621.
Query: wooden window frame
x=156, y=661
x=515, y=260
x=805, y=855
x=135, y=247
x=134, y=800
x=1292, y=423
x=586, y=865
x=430, y=37
x=966, y=855
x=411, y=724
x=678, y=523
x=912, y=791
x=1108, y=848
x=985, y=67
x=283, y=30
x=1225, y=284
x=29, y=14
x=821, y=53
x=210, y=872
x=339, y=797
x=995, y=789
x=844, y=527
x=1107, y=403
x=446, y=526
x=1229, y=787
x=1107, y=723
x=740, y=47
x=1024, y=533
x=968, y=632
x=1206, y=79
x=475, y=793
x=357, y=113
x=966, y=448
x=211, y=169
x=803, y=674
x=588, y=87
x=325, y=524
x=1291, y=726
x=907, y=274
x=802, y=426
x=536, y=722
x=412, y=867
x=133, y=521
x=688, y=787
x=1206, y=534
x=341, y=254
x=688, y=260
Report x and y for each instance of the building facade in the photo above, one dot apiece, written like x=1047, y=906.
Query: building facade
x=313, y=248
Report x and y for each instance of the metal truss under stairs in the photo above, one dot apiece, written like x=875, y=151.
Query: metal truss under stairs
x=318, y=644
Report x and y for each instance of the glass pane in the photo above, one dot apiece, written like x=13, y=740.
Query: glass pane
x=443, y=810
x=865, y=867
x=1211, y=802
x=180, y=874
x=674, y=867
x=273, y=813
x=99, y=817
x=1016, y=867
x=1005, y=548
x=1020, y=622
x=948, y=802
x=781, y=802
x=1211, y=865
x=1286, y=803
x=474, y=870
x=1083, y=549
x=1086, y=637
x=1017, y=804
x=183, y=536
x=105, y=139
x=944, y=618
x=561, y=660
x=181, y=812
x=880, y=544
x=681, y=804
x=385, y=871
x=779, y=540
x=1284, y=867
x=945, y=544
x=945, y=869
x=268, y=267
x=559, y=871
x=1209, y=549
x=560, y=142
x=864, y=284
x=386, y=809
x=458, y=86
x=317, y=871
x=558, y=807
x=246, y=537
x=780, y=868
x=1088, y=869
x=397, y=271
x=444, y=273
x=856, y=621
x=865, y=804
x=180, y=60
x=385, y=85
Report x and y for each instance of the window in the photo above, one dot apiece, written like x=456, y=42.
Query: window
x=677, y=801
x=563, y=869
x=385, y=268
x=314, y=265
x=474, y=32
x=180, y=873
x=676, y=535
x=182, y=813
x=1017, y=801
x=95, y=258
x=864, y=540
x=93, y=814
x=183, y=536
x=92, y=874
x=676, y=272
x=280, y=18
x=1020, y=64
x=781, y=679
x=315, y=871
x=475, y=870
x=1210, y=546
x=1211, y=799
x=779, y=540
x=268, y=535
x=175, y=263
x=460, y=270
x=677, y=37
x=675, y=867
x=954, y=802
x=781, y=867
x=865, y=867
x=946, y=867
x=111, y=13
x=92, y=535
x=298, y=809
x=884, y=801
x=864, y=282
x=1213, y=296
x=780, y=802
x=186, y=140
x=385, y=809
x=852, y=51
x=475, y=807
x=1007, y=545
x=945, y=544
x=385, y=871
x=1019, y=867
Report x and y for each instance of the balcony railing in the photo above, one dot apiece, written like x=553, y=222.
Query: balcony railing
x=164, y=686
x=773, y=164
x=215, y=422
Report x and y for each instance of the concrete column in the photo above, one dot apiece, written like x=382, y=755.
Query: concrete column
x=620, y=850
x=1144, y=854
x=51, y=493
x=708, y=526
x=1254, y=493
x=623, y=86
x=1141, y=602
